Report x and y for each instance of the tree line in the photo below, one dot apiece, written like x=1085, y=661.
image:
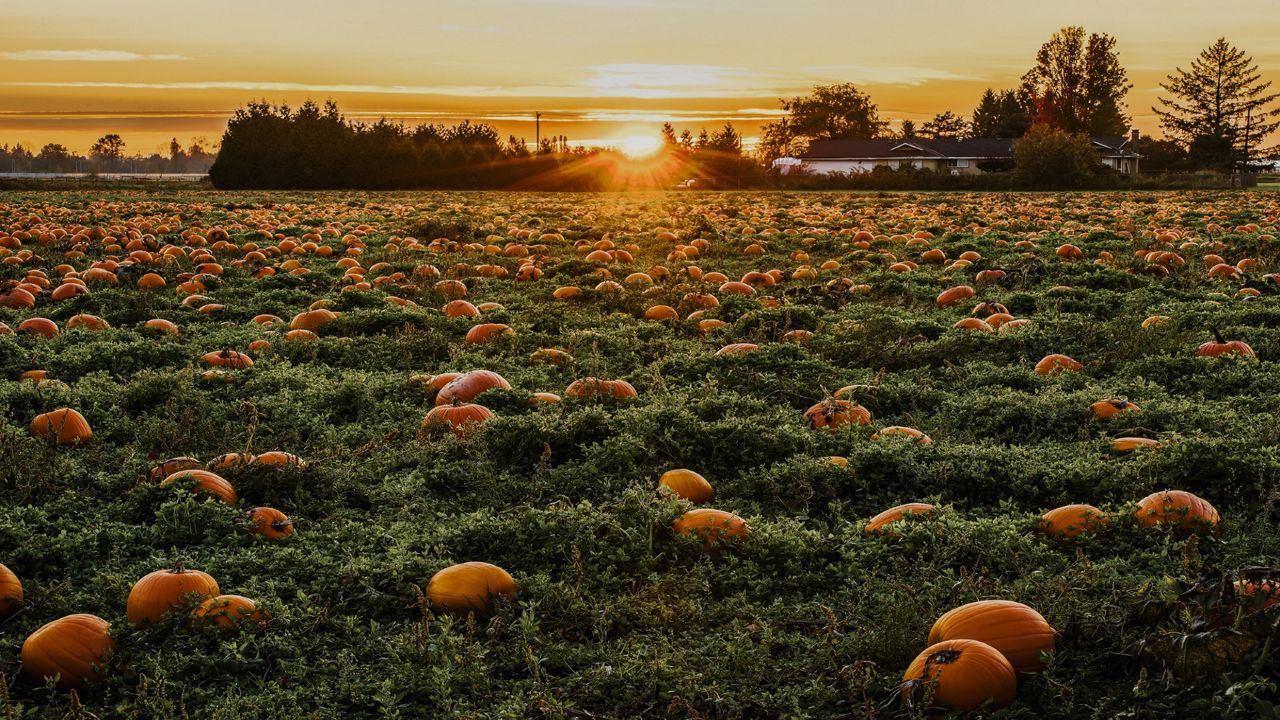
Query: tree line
x=107, y=155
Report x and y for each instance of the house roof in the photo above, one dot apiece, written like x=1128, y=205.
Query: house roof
x=921, y=148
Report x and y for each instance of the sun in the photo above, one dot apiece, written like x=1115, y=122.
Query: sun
x=639, y=146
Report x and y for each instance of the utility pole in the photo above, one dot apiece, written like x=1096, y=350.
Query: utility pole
x=537, y=132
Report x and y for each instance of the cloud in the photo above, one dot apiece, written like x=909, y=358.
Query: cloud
x=88, y=55
x=885, y=74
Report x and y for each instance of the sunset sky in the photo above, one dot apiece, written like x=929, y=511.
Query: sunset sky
x=603, y=70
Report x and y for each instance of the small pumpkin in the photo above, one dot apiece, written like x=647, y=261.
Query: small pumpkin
x=173, y=465
x=228, y=358
x=470, y=587
x=687, y=484
x=1019, y=632
x=227, y=612
x=950, y=297
x=835, y=413
x=1071, y=521
x=67, y=426
x=712, y=526
x=880, y=523
x=461, y=418
x=965, y=674
x=908, y=432
x=277, y=458
x=270, y=523
x=467, y=386
x=1219, y=347
x=588, y=388
x=163, y=591
x=488, y=332
x=10, y=592
x=206, y=482
x=1179, y=508
x=1056, y=363
x=73, y=648
x=1107, y=409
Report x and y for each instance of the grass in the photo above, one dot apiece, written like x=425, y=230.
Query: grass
x=617, y=616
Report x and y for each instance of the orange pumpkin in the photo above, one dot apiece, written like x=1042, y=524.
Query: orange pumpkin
x=1017, y=631
x=206, y=482
x=1107, y=409
x=687, y=484
x=1071, y=521
x=488, y=332
x=228, y=359
x=470, y=587
x=1220, y=348
x=270, y=523
x=590, y=387
x=173, y=465
x=908, y=432
x=73, y=648
x=460, y=308
x=162, y=591
x=227, y=612
x=461, y=418
x=834, y=413
x=551, y=356
x=312, y=319
x=712, y=526
x=965, y=674
x=880, y=523
x=276, y=458
x=954, y=295
x=1179, y=508
x=66, y=425
x=467, y=386
x=1056, y=363
x=10, y=592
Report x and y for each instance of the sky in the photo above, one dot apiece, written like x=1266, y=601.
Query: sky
x=602, y=71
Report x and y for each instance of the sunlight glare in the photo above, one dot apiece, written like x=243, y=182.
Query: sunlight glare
x=640, y=146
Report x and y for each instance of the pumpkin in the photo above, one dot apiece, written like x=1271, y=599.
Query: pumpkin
x=588, y=388
x=1219, y=347
x=162, y=591
x=173, y=465
x=551, y=356
x=467, y=386
x=66, y=425
x=687, y=484
x=206, y=482
x=41, y=327
x=312, y=319
x=488, y=332
x=461, y=418
x=1071, y=521
x=73, y=648
x=460, y=308
x=712, y=526
x=966, y=674
x=162, y=325
x=10, y=592
x=270, y=523
x=227, y=612
x=470, y=587
x=834, y=413
x=276, y=458
x=1260, y=594
x=908, y=432
x=92, y=323
x=1179, y=508
x=954, y=295
x=1129, y=444
x=229, y=461
x=1017, y=631
x=879, y=523
x=1056, y=363
x=228, y=359
x=1107, y=409
x=736, y=349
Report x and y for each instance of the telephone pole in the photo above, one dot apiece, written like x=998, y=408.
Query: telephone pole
x=537, y=131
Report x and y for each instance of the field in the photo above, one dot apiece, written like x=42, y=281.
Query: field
x=616, y=614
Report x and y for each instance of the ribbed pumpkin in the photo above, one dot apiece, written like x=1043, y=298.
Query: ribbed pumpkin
x=66, y=425
x=270, y=523
x=687, y=484
x=1056, y=363
x=1071, y=521
x=1107, y=409
x=73, y=648
x=460, y=308
x=954, y=295
x=461, y=418
x=312, y=319
x=206, y=482
x=228, y=359
x=10, y=592
x=488, y=332
x=173, y=465
x=279, y=458
x=966, y=673
x=879, y=523
x=597, y=388
x=228, y=612
x=467, y=386
x=469, y=587
x=834, y=413
x=712, y=526
x=1177, y=507
x=162, y=591
x=1017, y=631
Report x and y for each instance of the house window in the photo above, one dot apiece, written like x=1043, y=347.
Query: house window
x=953, y=163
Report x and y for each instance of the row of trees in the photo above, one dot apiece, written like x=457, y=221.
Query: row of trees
x=1216, y=116
x=315, y=147
x=106, y=156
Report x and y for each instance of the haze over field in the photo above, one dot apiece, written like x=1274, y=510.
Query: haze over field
x=604, y=71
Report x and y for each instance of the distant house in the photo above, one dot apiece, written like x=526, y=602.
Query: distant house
x=957, y=157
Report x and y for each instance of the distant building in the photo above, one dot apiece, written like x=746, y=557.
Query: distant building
x=957, y=157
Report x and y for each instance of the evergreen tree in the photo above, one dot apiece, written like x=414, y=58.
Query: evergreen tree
x=1078, y=85
x=945, y=126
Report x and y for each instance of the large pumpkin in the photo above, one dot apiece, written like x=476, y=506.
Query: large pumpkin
x=66, y=425
x=162, y=591
x=1017, y=631
x=10, y=592
x=73, y=648
x=687, y=484
x=1071, y=521
x=965, y=674
x=713, y=526
x=206, y=482
x=469, y=587
x=468, y=385
x=461, y=418
x=1177, y=507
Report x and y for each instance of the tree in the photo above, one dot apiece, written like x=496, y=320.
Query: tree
x=1079, y=86
x=836, y=112
x=109, y=148
x=1218, y=107
x=908, y=130
x=1162, y=156
x=1001, y=115
x=669, y=135
x=1053, y=158
x=54, y=158
x=945, y=126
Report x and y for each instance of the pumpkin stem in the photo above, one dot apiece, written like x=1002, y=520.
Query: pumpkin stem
x=281, y=525
x=1216, y=335
x=943, y=657
x=179, y=567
